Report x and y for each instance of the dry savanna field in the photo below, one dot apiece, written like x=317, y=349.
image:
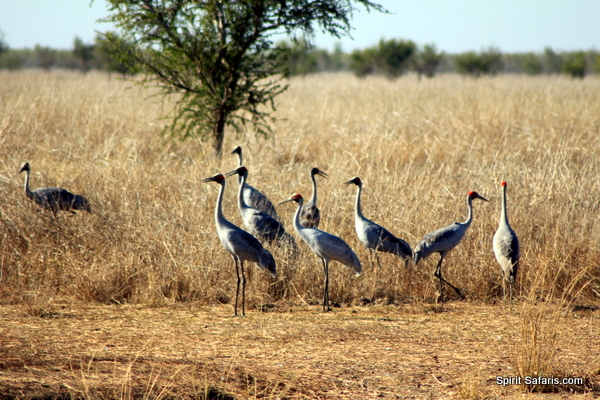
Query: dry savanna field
x=135, y=300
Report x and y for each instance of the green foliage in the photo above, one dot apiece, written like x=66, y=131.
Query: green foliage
x=552, y=61
x=532, y=65
x=363, y=62
x=84, y=53
x=427, y=60
x=487, y=62
x=108, y=50
x=218, y=56
x=300, y=58
x=394, y=55
x=390, y=58
x=575, y=64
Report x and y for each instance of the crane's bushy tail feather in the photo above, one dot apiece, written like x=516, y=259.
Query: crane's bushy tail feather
x=267, y=262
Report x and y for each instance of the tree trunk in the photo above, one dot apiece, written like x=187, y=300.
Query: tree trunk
x=219, y=132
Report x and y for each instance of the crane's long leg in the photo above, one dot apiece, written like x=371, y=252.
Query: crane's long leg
x=243, y=289
x=438, y=274
x=503, y=289
x=237, y=286
x=326, y=288
x=376, y=270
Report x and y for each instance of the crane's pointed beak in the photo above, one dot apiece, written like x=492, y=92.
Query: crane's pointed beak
x=286, y=201
x=323, y=174
x=228, y=174
x=211, y=179
x=482, y=198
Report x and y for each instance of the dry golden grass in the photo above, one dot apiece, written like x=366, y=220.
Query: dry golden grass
x=419, y=148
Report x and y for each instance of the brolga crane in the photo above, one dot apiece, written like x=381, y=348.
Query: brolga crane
x=54, y=199
x=241, y=245
x=310, y=216
x=252, y=196
x=375, y=237
x=442, y=241
x=259, y=223
x=326, y=246
x=506, y=247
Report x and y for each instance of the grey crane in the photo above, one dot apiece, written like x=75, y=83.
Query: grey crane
x=259, y=223
x=373, y=236
x=506, y=247
x=52, y=198
x=240, y=244
x=326, y=246
x=252, y=196
x=310, y=216
x=442, y=241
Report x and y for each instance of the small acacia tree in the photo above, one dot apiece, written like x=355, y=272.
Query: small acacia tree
x=219, y=55
x=427, y=61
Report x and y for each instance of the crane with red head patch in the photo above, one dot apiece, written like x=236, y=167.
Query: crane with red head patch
x=443, y=240
x=506, y=247
x=326, y=246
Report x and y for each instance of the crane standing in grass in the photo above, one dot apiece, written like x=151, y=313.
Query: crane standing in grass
x=259, y=223
x=252, y=196
x=326, y=246
x=506, y=247
x=442, y=241
x=52, y=198
x=310, y=216
x=375, y=237
x=240, y=244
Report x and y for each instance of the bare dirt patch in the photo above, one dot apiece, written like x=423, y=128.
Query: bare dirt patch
x=409, y=351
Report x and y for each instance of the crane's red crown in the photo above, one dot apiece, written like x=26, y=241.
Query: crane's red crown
x=296, y=197
x=503, y=183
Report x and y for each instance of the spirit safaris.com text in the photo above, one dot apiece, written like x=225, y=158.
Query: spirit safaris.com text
x=537, y=380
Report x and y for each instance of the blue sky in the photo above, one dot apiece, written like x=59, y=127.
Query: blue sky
x=452, y=25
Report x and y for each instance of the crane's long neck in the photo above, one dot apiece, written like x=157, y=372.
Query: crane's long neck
x=470, y=216
x=313, y=199
x=503, y=215
x=240, y=163
x=27, y=190
x=219, y=217
x=297, y=226
x=358, y=210
x=242, y=180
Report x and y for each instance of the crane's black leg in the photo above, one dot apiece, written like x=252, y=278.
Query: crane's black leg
x=503, y=290
x=243, y=289
x=438, y=274
x=237, y=286
x=326, y=288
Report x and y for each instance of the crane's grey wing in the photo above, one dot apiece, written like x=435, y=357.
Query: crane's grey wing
x=80, y=203
x=507, y=252
x=310, y=216
x=266, y=227
x=438, y=241
x=239, y=242
x=331, y=247
x=53, y=198
x=381, y=239
x=266, y=261
x=256, y=199
x=507, y=245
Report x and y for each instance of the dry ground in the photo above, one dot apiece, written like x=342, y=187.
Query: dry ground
x=457, y=350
